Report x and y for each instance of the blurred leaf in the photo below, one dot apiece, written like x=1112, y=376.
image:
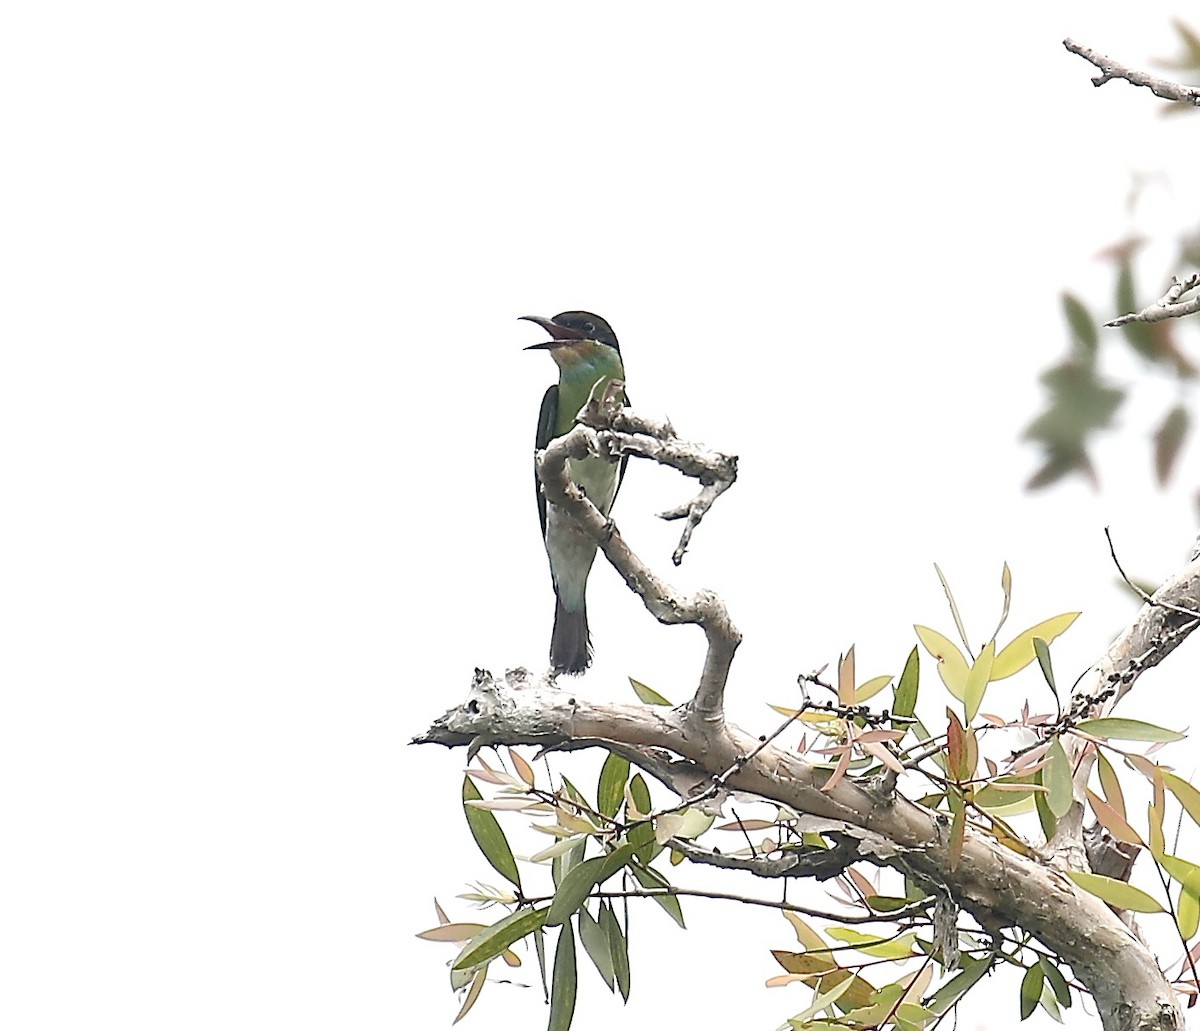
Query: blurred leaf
x=1020, y=652
x=1116, y=893
x=1079, y=405
x=1082, y=325
x=905, y=700
x=952, y=667
x=647, y=694
x=485, y=829
x=1031, y=990
x=1168, y=440
x=1109, y=782
x=1189, y=58
x=1056, y=776
x=564, y=983
x=610, y=791
x=1123, y=729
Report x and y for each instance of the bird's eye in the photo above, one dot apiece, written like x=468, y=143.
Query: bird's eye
x=589, y=327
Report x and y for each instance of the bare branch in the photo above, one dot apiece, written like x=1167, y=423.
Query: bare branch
x=1111, y=69
x=1168, y=306
x=661, y=600
x=636, y=435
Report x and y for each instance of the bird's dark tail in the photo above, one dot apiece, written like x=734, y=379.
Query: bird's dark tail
x=570, y=645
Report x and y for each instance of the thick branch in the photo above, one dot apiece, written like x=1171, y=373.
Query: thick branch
x=1169, y=306
x=1111, y=69
x=997, y=886
x=662, y=600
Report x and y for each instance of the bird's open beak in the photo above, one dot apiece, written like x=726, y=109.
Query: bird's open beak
x=562, y=335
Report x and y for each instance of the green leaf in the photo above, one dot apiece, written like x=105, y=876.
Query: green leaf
x=539, y=946
x=618, y=947
x=647, y=694
x=958, y=986
x=610, y=792
x=1083, y=326
x=905, y=702
x=648, y=878
x=488, y=835
x=1056, y=776
x=1116, y=893
x=563, y=863
x=595, y=943
x=1031, y=990
x=1108, y=780
x=563, y=987
x=1042, y=650
x=1045, y=818
x=574, y=890
x=1019, y=652
x=1127, y=730
x=952, y=667
x=977, y=680
x=487, y=945
x=1058, y=983
x=870, y=688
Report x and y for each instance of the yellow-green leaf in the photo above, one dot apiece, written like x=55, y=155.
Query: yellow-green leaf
x=1108, y=780
x=1188, y=913
x=1188, y=796
x=807, y=937
x=977, y=680
x=647, y=694
x=1019, y=652
x=952, y=667
x=803, y=962
x=871, y=688
x=1116, y=893
x=870, y=944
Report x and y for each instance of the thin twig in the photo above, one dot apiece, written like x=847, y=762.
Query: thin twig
x=1111, y=69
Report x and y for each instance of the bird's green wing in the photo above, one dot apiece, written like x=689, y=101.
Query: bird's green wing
x=547, y=417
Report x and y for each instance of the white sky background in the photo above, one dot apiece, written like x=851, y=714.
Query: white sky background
x=268, y=434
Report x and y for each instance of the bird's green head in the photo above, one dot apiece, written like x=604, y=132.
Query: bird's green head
x=577, y=337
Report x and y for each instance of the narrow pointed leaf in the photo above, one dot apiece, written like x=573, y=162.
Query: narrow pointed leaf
x=803, y=962
x=1116, y=893
x=846, y=678
x=524, y=770
x=1058, y=983
x=1031, y=990
x=564, y=984
x=485, y=829
x=1042, y=650
x=618, y=947
x=1168, y=440
x=870, y=688
x=1113, y=821
x=1188, y=911
x=576, y=886
x=1019, y=652
x=905, y=703
x=952, y=667
x=489, y=944
x=649, y=878
x=1121, y=729
x=958, y=986
x=647, y=695
x=805, y=935
x=477, y=983
x=610, y=791
x=1188, y=796
x=958, y=623
x=1109, y=782
x=1083, y=326
x=977, y=680
x=595, y=943
x=1056, y=776
x=1006, y=587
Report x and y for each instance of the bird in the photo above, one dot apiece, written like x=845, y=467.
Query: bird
x=585, y=349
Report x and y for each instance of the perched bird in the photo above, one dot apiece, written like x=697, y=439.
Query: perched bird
x=585, y=349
